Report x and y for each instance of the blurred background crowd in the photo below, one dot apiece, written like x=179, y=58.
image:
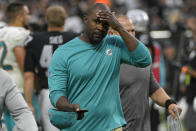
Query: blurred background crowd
x=171, y=25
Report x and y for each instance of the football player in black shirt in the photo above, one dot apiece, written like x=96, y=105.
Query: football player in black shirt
x=39, y=50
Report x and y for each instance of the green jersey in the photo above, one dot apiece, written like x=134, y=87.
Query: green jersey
x=89, y=75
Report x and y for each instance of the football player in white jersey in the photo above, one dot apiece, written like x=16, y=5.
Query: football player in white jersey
x=12, y=51
x=12, y=39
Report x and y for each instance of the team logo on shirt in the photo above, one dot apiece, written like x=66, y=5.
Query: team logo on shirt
x=108, y=51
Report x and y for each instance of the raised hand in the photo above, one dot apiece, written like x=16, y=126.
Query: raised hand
x=109, y=18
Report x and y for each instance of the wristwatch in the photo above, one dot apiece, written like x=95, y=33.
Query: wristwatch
x=168, y=102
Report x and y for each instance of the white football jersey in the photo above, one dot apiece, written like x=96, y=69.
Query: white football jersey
x=11, y=37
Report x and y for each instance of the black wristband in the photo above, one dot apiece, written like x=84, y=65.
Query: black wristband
x=168, y=102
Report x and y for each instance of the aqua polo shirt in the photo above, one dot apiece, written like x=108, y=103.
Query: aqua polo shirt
x=89, y=75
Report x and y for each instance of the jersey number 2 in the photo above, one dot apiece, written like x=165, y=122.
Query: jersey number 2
x=3, y=53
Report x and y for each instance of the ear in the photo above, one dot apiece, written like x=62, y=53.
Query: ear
x=19, y=17
x=85, y=18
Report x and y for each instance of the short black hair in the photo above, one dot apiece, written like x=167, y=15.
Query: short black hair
x=13, y=9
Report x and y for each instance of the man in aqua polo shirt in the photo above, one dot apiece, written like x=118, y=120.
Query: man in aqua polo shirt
x=84, y=72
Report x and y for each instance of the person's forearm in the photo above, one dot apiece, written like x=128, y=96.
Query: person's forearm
x=129, y=40
x=28, y=87
x=64, y=105
x=160, y=97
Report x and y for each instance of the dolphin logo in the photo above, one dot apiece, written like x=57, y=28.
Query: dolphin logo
x=108, y=51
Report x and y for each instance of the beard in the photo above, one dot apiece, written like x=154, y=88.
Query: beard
x=96, y=37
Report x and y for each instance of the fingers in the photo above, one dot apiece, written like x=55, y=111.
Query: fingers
x=174, y=111
x=109, y=18
x=179, y=109
x=76, y=107
x=80, y=113
x=103, y=15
